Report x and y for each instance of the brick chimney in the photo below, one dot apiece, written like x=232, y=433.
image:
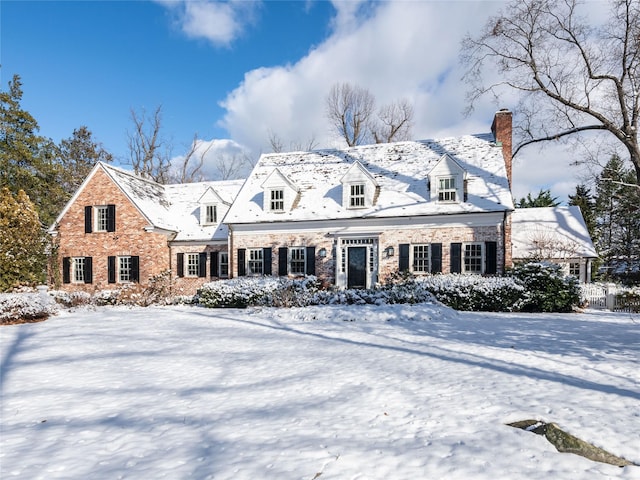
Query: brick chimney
x=502, y=133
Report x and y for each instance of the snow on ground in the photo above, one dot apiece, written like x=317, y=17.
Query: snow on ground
x=349, y=392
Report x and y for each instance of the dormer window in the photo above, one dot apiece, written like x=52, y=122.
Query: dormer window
x=356, y=197
x=359, y=188
x=279, y=193
x=276, y=203
x=211, y=214
x=447, y=189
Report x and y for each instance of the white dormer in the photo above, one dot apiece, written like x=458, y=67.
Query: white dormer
x=358, y=187
x=279, y=193
x=212, y=207
x=446, y=181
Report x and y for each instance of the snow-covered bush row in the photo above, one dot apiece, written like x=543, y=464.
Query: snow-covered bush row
x=25, y=307
x=476, y=293
x=282, y=292
x=532, y=287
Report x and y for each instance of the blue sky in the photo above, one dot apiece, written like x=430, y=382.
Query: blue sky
x=236, y=72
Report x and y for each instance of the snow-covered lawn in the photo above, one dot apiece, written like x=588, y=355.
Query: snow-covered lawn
x=349, y=392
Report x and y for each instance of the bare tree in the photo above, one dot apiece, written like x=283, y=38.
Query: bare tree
x=394, y=122
x=350, y=109
x=149, y=153
x=277, y=144
x=230, y=166
x=190, y=170
x=572, y=77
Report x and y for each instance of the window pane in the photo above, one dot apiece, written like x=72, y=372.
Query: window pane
x=101, y=218
x=297, y=264
x=212, y=214
x=421, y=258
x=78, y=269
x=357, y=196
x=473, y=258
x=124, y=270
x=277, y=200
x=223, y=265
x=254, y=264
x=192, y=269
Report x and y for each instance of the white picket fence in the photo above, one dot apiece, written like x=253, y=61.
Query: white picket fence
x=603, y=296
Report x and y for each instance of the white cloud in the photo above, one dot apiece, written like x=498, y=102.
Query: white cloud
x=396, y=50
x=218, y=22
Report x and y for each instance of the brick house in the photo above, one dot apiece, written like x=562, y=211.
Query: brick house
x=351, y=217
x=119, y=229
x=354, y=216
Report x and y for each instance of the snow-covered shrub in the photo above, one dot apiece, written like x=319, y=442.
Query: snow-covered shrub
x=25, y=307
x=71, y=299
x=238, y=292
x=547, y=288
x=474, y=292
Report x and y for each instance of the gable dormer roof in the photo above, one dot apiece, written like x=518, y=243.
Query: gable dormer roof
x=277, y=178
x=357, y=172
x=211, y=196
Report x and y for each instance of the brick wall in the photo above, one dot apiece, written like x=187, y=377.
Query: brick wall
x=188, y=285
x=129, y=237
x=325, y=267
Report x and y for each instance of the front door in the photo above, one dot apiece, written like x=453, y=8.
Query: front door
x=357, y=267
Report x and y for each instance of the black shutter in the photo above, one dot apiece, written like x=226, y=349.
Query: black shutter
x=491, y=257
x=283, y=255
x=66, y=270
x=403, y=257
x=111, y=218
x=180, y=264
x=456, y=258
x=88, y=270
x=135, y=269
x=111, y=269
x=242, y=268
x=87, y=219
x=266, y=257
x=202, y=265
x=213, y=266
x=436, y=258
x=310, y=255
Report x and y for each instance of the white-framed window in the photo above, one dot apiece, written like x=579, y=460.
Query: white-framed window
x=473, y=256
x=192, y=264
x=297, y=260
x=101, y=218
x=356, y=195
x=211, y=214
x=124, y=269
x=78, y=269
x=223, y=264
x=255, y=264
x=574, y=269
x=277, y=200
x=447, y=189
x=421, y=258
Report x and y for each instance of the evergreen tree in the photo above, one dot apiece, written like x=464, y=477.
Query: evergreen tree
x=543, y=199
x=78, y=155
x=27, y=160
x=584, y=199
x=23, y=242
x=617, y=209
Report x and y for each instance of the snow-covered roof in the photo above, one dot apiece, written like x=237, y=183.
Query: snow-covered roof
x=550, y=232
x=400, y=171
x=174, y=208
